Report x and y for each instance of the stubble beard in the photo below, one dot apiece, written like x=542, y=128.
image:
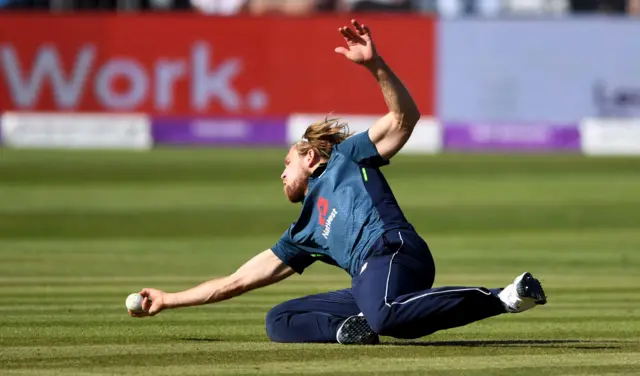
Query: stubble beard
x=296, y=191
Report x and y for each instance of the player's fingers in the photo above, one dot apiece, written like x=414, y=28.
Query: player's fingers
x=146, y=304
x=356, y=38
x=351, y=34
x=341, y=50
x=138, y=314
x=358, y=27
x=343, y=31
x=366, y=30
x=148, y=293
x=155, y=308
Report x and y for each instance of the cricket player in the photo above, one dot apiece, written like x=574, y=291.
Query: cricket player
x=350, y=218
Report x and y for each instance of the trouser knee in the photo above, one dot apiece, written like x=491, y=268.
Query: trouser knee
x=381, y=322
x=275, y=322
x=385, y=325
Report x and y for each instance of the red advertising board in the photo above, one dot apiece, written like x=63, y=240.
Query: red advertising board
x=192, y=64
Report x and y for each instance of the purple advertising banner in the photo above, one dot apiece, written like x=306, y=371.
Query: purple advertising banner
x=527, y=137
x=219, y=131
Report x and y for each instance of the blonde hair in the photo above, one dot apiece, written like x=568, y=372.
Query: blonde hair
x=322, y=136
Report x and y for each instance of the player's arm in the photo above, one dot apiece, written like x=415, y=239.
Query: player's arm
x=390, y=133
x=262, y=270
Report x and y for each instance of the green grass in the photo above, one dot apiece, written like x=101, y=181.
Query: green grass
x=79, y=231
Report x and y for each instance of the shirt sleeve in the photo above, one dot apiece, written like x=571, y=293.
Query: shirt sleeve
x=360, y=149
x=292, y=255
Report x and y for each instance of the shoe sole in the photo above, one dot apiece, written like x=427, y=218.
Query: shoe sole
x=530, y=287
x=356, y=331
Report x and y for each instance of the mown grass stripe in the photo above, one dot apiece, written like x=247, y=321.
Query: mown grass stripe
x=567, y=362
x=83, y=230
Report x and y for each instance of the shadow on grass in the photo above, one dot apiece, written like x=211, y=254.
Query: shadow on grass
x=567, y=343
x=193, y=339
x=562, y=343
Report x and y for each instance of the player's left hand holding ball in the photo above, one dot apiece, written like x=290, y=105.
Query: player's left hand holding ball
x=148, y=302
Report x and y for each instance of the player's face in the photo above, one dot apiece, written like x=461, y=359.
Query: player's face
x=295, y=176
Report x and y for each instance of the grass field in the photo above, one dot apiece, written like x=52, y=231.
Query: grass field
x=79, y=231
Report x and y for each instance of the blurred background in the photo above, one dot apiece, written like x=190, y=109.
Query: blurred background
x=445, y=8
x=511, y=75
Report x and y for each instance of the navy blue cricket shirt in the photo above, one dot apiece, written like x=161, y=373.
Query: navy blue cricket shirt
x=349, y=205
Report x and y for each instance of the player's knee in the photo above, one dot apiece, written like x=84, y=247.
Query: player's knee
x=276, y=323
x=387, y=324
x=380, y=323
x=384, y=326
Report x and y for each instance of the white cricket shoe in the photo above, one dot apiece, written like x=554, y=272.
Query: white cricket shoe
x=524, y=293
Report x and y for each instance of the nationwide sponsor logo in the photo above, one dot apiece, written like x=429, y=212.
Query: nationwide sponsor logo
x=323, y=208
x=327, y=226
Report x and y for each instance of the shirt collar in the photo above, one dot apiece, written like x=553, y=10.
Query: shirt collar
x=319, y=170
x=315, y=175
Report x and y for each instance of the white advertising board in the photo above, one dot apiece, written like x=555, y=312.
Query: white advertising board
x=610, y=136
x=426, y=137
x=76, y=131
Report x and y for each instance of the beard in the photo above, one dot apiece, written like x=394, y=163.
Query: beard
x=296, y=190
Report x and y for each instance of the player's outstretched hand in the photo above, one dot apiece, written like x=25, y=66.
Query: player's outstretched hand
x=152, y=303
x=360, y=48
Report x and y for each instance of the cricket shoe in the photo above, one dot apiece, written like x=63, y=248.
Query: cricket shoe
x=524, y=293
x=355, y=330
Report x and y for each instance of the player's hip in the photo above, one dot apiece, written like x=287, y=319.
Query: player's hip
x=401, y=240
x=405, y=240
x=402, y=264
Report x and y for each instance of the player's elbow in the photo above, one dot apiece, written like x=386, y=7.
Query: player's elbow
x=243, y=282
x=410, y=118
x=406, y=120
x=238, y=285
x=231, y=286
